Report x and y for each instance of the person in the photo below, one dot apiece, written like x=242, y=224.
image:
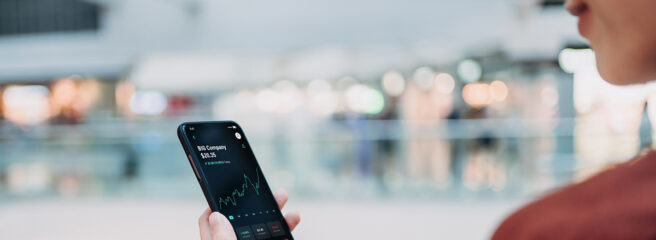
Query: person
x=215, y=226
x=620, y=202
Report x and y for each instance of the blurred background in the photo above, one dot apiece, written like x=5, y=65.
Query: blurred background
x=383, y=119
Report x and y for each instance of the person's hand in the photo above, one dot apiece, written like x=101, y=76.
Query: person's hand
x=215, y=226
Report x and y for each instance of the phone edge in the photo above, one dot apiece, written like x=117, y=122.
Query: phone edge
x=184, y=140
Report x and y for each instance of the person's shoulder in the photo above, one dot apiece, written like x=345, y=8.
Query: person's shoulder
x=614, y=204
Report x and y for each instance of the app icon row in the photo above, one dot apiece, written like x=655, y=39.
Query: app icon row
x=260, y=231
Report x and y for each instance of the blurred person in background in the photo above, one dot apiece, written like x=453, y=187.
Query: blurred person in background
x=619, y=203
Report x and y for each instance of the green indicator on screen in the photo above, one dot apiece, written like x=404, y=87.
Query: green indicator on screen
x=231, y=217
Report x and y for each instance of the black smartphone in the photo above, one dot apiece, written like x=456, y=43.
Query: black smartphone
x=232, y=180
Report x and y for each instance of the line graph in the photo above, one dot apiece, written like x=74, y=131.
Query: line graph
x=239, y=192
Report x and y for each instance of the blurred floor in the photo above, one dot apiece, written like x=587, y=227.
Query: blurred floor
x=141, y=218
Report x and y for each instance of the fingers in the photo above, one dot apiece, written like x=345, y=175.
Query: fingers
x=281, y=197
x=204, y=225
x=220, y=227
x=292, y=219
x=215, y=226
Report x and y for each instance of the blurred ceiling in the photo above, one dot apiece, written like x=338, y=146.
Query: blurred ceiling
x=131, y=31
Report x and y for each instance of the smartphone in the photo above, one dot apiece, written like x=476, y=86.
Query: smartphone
x=232, y=180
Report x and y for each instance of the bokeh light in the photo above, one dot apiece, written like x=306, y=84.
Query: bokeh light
x=345, y=82
x=498, y=90
x=470, y=71
x=323, y=101
x=445, y=83
x=148, y=103
x=64, y=92
x=364, y=99
x=26, y=105
x=423, y=77
x=123, y=94
x=476, y=95
x=393, y=83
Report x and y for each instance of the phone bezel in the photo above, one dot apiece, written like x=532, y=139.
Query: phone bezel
x=200, y=175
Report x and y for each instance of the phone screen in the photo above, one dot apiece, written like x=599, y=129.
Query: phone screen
x=233, y=181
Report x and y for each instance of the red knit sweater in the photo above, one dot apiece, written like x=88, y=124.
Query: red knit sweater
x=619, y=203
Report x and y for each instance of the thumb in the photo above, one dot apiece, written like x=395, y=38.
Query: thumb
x=221, y=228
